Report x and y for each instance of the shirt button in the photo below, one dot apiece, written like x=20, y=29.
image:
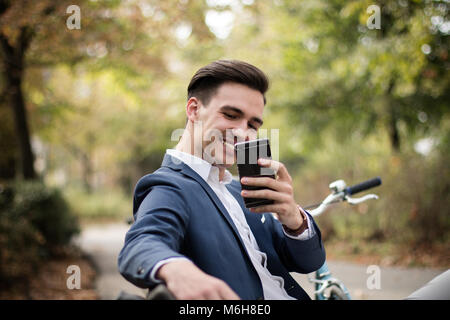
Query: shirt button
x=140, y=270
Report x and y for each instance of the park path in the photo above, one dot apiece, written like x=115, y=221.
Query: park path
x=103, y=243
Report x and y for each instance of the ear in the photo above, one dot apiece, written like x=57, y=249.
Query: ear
x=192, y=107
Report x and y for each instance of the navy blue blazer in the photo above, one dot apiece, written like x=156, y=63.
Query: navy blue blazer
x=177, y=214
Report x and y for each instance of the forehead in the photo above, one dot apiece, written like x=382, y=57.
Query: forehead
x=249, y=100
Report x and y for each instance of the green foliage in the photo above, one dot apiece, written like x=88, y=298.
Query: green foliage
x=412, y=208
x=46, y=210
x=20, y=244
x=103, y=205
x=35, y=221
x=419, y=201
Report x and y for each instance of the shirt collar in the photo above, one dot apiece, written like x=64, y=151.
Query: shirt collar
x=202, y=167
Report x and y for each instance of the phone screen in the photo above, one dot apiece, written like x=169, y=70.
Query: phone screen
x=247, y=155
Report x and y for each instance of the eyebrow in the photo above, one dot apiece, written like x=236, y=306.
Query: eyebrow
x=240, y=112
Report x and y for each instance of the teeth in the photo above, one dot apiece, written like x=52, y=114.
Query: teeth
x=226, y=143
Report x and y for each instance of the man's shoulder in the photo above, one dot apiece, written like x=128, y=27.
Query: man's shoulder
x=170, y=182
x=181, y=181
x=163, y=176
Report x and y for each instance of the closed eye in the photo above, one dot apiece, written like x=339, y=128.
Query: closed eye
x=230, y=116
x=252, y=126
x=235, y=117
x=234, y=113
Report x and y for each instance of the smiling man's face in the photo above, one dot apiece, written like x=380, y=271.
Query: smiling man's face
x=234, y=113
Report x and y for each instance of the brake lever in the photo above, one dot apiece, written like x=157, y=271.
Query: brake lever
x=351, y=200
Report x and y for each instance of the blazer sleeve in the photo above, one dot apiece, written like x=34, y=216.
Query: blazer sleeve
x=157, y=233
x=303, y=256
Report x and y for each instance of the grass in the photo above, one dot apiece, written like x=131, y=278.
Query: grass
x=99, y=206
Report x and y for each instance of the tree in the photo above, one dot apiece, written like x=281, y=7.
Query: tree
x=128, y=36
x=364, y=80
x=13, y=53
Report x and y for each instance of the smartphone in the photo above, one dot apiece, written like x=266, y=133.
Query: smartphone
x=247, y=155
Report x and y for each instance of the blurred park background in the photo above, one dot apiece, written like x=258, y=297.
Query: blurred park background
x=85, y=112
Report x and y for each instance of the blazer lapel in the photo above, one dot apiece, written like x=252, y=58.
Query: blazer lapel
x=178, y=165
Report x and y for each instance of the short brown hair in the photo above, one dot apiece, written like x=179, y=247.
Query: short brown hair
x=208, y=79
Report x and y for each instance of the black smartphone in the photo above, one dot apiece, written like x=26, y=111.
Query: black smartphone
x=247, y=155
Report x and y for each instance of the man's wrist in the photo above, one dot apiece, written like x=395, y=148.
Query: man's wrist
x=302, y=228
x=156, y=275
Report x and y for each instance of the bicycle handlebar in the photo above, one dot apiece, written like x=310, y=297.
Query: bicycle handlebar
x=340, y=193
x=363, y=186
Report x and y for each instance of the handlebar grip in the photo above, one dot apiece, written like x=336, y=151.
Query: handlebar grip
x=363, y=186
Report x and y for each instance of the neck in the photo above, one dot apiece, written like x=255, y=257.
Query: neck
x=221, y=173
x=187, y=145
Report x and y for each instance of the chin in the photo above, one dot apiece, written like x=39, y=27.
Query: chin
x=225, y=165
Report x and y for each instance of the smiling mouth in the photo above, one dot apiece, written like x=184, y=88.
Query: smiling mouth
x=227, y=144
x=229, y=140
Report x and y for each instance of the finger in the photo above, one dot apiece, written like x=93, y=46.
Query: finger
x=228, y=294
x=259, y=181
x=278, y=167
x=264, y=193
x=267, y=208
x=212, y=295
x=266, y=182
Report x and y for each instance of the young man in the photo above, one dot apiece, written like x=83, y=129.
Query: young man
x=192, y=230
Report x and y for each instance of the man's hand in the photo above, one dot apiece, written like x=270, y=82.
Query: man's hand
x=284, y=206
x=187, y=282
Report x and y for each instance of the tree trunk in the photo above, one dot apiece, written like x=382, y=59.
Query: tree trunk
x=8, y=144
x=87, y=172
x=13, y=61
x=393, y=131
x=394, y=134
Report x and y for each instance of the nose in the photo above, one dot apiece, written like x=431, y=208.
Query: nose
x=241, y=135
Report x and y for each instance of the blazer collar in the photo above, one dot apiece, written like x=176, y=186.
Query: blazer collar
x=208, y=172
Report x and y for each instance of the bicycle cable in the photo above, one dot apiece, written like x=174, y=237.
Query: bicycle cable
x=318, y=204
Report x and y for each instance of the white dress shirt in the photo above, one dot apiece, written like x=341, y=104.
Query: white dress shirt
x=273, y=286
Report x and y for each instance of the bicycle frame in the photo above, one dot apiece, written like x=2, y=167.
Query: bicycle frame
x=323, y=280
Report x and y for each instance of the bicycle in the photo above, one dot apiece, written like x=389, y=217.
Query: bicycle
x=327, y=287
